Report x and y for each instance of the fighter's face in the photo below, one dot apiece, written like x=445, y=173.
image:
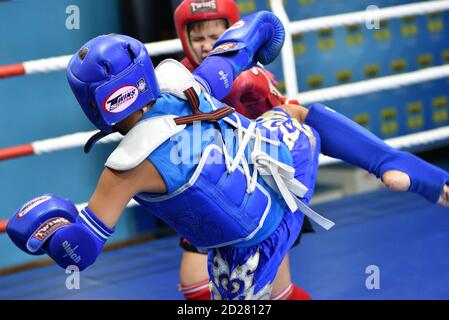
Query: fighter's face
x=204, y=35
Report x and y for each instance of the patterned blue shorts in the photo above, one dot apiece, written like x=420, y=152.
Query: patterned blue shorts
x=248, y=273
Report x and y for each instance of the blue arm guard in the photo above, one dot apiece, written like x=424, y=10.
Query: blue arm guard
x=80, y=243
x=344, y=139
x=216, y=76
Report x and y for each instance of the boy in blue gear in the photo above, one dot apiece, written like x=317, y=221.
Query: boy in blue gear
x=218, y=193
x=240, y=191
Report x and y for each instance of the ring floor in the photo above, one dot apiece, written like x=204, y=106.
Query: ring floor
x=402, y=235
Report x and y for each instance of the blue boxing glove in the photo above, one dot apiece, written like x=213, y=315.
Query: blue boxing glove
x=39, y=219
x=256, y=38
x=344, y=139
x=81, y=242
x=52, y=225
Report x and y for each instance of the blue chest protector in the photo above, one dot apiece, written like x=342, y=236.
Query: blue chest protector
x=204, y=202
x=228, y=183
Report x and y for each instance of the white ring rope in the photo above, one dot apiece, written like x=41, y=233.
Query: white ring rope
x=342, y=91
x=308, y=25
x=46, y=65
x=79, y=139
x=367, y=16
x=375, y=85
x=70, y=141
x=60, y=63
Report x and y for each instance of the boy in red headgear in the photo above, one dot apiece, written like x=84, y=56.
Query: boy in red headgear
x=199, y=23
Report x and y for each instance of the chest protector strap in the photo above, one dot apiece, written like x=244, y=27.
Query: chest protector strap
x=278, y=175
x=194, y=102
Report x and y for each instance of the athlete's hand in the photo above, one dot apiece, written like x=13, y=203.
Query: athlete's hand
x=444, y=197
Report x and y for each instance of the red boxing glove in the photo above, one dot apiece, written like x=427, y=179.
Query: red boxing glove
x=254, y=93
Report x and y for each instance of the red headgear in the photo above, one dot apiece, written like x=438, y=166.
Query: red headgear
x=199, y=10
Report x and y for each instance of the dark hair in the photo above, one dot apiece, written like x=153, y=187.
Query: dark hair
x=199, y=24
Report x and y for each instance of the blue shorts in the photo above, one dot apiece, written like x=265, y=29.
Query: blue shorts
x=248, y=273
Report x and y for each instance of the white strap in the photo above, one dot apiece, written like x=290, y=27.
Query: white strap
x=290, y=189
x=278, y=175
x=322, y=221
x=243, y=142
x=237, y=124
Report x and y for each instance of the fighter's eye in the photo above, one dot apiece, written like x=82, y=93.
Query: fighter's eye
x=197, y=39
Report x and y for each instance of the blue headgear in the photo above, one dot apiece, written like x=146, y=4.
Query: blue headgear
x=112, y=76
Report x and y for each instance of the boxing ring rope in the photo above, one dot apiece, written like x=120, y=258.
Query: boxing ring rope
x=292, y=28
x=403, y=142
x=60, y=63
x=374, y=85
x=359, y=17
x=295, y=27
x=308, y=25
x=79, y=139
x=54, y=144
x=342, y=91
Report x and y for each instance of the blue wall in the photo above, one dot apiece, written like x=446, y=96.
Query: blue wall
x=330, y=57
x=42, y=106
